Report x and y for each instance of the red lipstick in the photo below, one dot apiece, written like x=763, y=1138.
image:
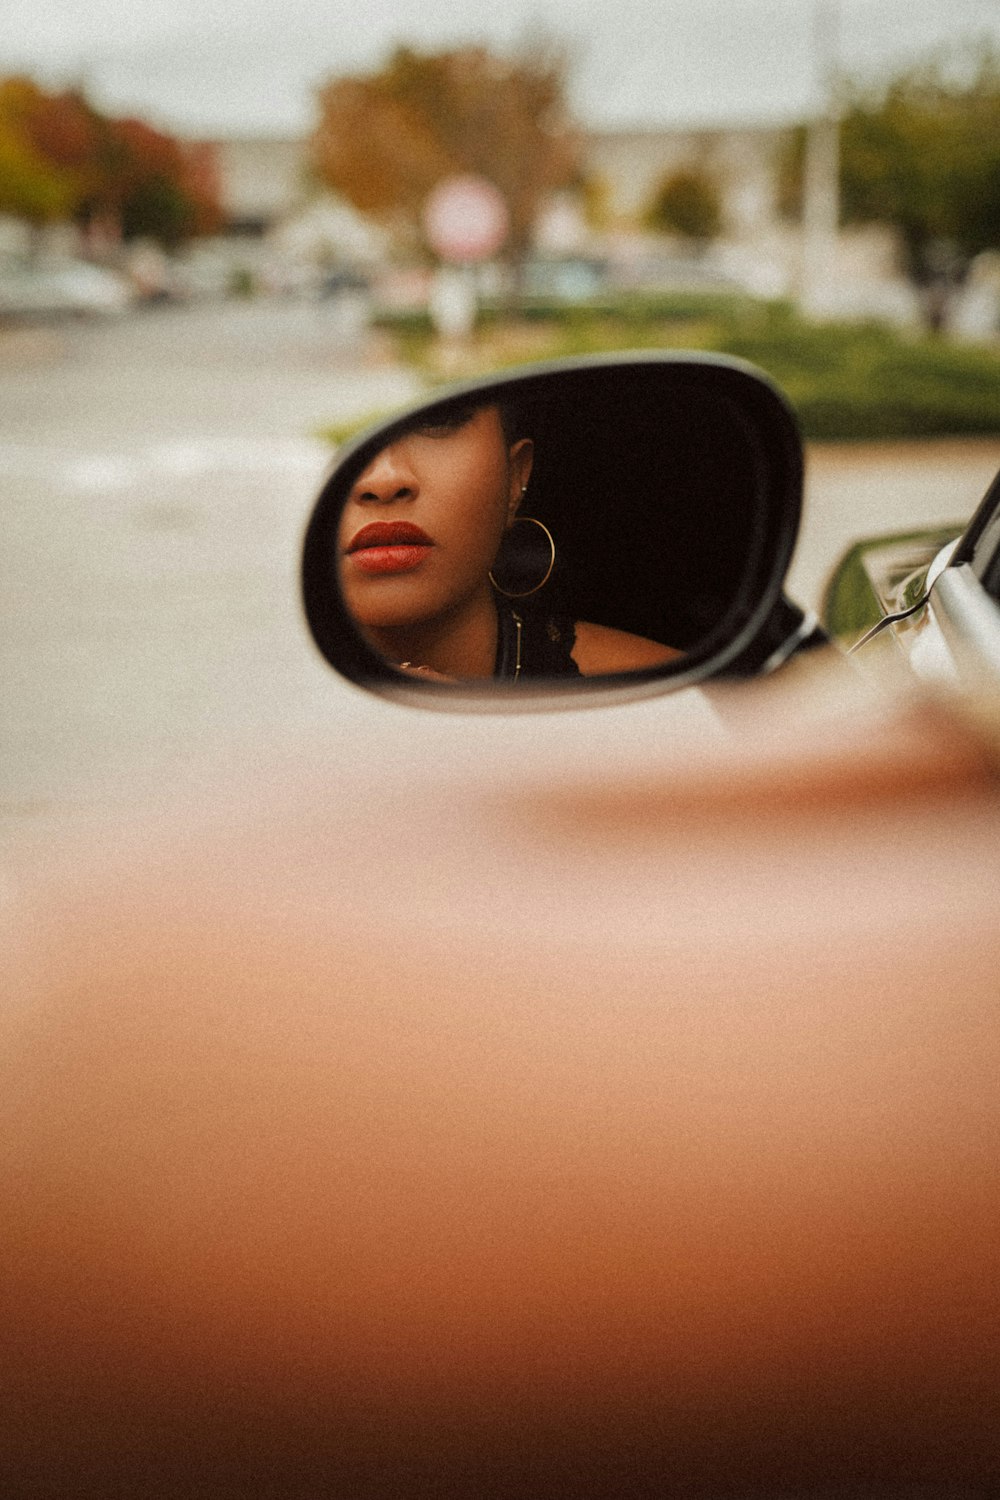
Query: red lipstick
x=388, y=547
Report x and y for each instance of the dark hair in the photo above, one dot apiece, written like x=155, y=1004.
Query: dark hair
x=459, y=411
x=512, y=422
x=511, y=416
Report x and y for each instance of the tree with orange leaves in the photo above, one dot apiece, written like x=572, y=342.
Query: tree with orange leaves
x=384, y=140
x=156, y=187
x=61, y=161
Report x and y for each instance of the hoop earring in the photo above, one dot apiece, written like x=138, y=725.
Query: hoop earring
x=525, y=593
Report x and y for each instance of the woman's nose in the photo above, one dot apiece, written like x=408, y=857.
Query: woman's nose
x=388, y=477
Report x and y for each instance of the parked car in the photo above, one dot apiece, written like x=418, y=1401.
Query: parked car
x=568, y=278
x=65, y=287
x=561, y=1095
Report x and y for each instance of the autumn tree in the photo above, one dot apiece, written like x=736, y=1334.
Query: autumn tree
x=62, y=160
x=155, y=186
x=687, y=203
x=385, y=139
x=48, y=152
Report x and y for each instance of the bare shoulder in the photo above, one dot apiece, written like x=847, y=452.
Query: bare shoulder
x=599, y=648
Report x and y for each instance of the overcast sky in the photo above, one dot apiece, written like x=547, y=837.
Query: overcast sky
x=244, y=66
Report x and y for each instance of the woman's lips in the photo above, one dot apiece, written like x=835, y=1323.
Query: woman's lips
x=388, y=547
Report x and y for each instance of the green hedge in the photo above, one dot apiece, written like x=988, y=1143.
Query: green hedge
x=844, y=380
x=869, y=382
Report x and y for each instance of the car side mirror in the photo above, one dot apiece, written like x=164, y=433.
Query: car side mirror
x=622, y=521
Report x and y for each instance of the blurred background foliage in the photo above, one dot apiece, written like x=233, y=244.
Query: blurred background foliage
x=63, y=161
x=919, y=157
x=687, y=203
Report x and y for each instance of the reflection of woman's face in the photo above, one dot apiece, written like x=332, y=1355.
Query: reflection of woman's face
x=424, y=521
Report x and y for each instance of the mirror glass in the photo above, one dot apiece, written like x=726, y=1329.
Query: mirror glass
x=578, y=524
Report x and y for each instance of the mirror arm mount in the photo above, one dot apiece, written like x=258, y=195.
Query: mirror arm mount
x=788, y=630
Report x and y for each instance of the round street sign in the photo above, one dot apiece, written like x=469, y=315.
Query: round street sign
x=465, y=219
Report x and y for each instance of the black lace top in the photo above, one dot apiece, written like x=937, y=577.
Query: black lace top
x=533, y=643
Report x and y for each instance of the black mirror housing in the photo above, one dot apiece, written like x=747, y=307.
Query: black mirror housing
x=673, y=485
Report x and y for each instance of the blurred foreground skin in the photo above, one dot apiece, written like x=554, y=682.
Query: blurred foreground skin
x=419, y=1137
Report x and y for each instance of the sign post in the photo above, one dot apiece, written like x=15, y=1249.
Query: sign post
x=466, y=221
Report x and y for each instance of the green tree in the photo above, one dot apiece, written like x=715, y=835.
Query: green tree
x=385, y=139
x=687, y=203
x=924, y=156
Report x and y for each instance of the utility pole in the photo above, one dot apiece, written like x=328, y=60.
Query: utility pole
x=821, y=174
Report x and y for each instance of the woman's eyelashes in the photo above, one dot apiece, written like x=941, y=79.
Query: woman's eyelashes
x=444, y=426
